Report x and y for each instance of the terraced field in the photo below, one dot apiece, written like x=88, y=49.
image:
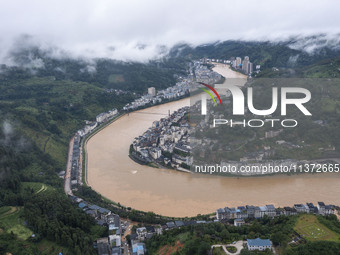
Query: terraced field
x=37, y=187
x=11, y=217
x=11, y=221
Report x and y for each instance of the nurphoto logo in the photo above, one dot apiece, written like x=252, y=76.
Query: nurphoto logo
x=238, y=106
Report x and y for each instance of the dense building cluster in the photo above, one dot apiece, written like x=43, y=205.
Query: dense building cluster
x=76, y=167
x=74, y=177
x=111, y=244
x=181, y=89
x=203, y=74
x=250, y=211
x=198, y=72
x=100, y=118
x=104, y=116
x=166, y=142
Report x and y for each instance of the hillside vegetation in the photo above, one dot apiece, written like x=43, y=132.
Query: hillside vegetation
x=40, y=109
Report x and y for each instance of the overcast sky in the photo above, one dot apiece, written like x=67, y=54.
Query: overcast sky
x=115, y=28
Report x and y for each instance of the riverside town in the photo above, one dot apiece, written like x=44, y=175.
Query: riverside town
x=169, y=127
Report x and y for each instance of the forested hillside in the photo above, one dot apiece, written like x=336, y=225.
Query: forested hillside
x=267, y=54
x=44, y=100
x=41, y=107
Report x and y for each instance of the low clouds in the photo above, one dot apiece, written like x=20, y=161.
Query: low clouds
x=313, y=44
x=7, y=130
x=139, y=30
x=10, y=138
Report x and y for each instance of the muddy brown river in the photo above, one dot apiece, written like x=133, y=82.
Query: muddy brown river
x=113, y=174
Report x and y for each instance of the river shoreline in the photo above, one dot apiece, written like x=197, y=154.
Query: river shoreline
x=113, y=174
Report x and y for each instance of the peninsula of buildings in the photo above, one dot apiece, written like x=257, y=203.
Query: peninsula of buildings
x=166, y=143
x=199, y=72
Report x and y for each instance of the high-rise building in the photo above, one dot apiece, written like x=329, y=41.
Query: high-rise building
x=245, y=65
x=250, y=69
x=238, y=62
x=152, y=91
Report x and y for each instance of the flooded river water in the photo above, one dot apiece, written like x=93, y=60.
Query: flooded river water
x=172, y=193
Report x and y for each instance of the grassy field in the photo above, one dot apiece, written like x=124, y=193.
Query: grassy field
x=4, y=210
x=311, y=229
x=11, y=221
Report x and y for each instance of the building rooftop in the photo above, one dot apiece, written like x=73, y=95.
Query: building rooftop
x=141, y=230
x=179, y=223
x=270, y=207
x=138, y=248
x=94, y=207
x=259, y=242
x=170, y=224
x=116, y=251
x=103, y=210
x=263, y=208
x=82, y=205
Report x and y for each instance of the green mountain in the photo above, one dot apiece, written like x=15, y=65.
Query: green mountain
x=44, y=100
x=288, y=54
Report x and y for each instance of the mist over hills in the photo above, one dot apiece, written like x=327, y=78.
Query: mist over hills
x=295, y=51
x=38, y=58
x=64, y=62
x=46, y=93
